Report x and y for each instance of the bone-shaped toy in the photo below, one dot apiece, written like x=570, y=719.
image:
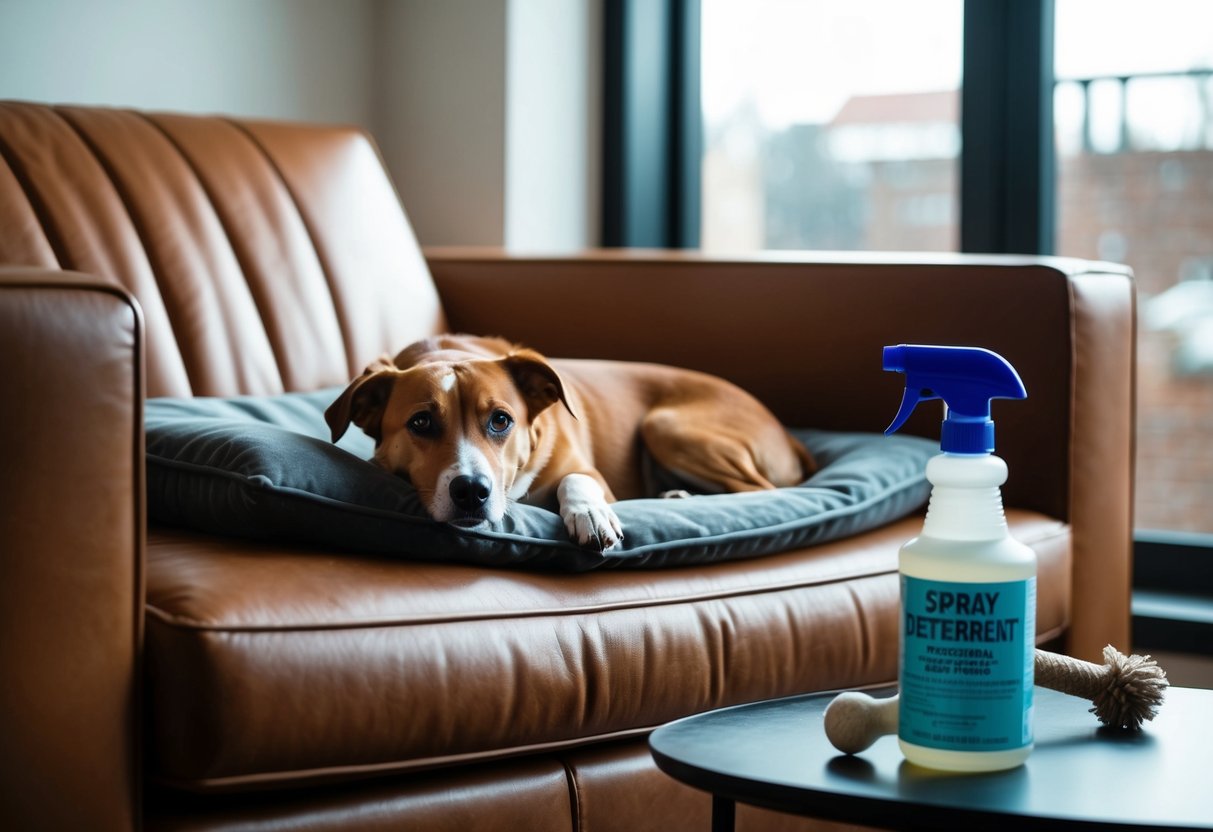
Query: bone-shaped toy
x=1125, y=691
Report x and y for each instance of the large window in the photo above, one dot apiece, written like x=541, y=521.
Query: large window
x=834, y=125
x=1134, y=118
x=830, y=125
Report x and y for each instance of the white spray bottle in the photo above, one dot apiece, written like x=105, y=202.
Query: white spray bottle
x=968, y=589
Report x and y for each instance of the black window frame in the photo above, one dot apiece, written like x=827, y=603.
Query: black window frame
x=652, y=124
x=652, y=147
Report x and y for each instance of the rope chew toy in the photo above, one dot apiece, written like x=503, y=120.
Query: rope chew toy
x=1125, y=692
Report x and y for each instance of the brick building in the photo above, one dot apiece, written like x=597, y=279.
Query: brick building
x=1154, y=211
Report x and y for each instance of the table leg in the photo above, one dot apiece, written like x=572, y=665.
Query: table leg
x=724, y=814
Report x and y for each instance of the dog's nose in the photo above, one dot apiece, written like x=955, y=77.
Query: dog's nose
x=471, y=493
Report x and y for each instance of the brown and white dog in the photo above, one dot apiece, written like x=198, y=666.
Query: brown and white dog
x=470, y=422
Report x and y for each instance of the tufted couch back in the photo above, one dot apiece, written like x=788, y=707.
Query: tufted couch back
x=242, y=240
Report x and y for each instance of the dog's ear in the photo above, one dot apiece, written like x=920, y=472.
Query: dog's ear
x=538, y=382
x=362, y=403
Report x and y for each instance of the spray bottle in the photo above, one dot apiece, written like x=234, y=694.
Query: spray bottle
x=968, y=589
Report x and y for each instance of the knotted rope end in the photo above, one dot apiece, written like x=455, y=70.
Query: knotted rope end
x=1133, y=690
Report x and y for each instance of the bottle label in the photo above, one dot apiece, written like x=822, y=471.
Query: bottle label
x=968, y=654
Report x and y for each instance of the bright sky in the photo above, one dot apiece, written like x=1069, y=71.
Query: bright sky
x=799, y=60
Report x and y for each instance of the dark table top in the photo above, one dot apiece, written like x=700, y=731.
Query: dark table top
x=775, y=754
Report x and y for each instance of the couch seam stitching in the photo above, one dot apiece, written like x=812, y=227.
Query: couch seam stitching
x=574, y=786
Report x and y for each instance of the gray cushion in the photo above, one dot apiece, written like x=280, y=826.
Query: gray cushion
x=263, y=468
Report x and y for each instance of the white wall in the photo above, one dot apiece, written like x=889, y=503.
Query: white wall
x=485, y=110
x=553, y=124
x=294, y=59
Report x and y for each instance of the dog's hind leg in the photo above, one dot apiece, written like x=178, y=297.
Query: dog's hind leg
x=712, y=459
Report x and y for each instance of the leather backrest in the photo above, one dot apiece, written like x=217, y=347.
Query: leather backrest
x=266, y=256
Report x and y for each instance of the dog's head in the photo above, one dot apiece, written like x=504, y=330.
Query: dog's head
x=461, y=431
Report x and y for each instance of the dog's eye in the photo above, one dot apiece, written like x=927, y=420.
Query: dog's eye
x=500, y=422
x=421, y=424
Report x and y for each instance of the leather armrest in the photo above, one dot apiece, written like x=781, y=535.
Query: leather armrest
x=71, y=551
x=804, y=332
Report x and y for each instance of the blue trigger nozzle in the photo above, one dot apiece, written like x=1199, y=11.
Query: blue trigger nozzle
x=966, y=379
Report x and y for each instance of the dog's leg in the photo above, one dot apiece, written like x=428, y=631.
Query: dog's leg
x=711, y=457
x=586, y=514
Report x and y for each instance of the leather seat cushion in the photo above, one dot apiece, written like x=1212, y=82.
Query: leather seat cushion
x=273, y=666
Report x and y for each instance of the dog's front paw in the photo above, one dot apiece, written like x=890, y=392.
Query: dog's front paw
x=587, y=515
x=595, y=527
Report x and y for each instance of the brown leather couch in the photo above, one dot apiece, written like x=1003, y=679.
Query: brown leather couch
x=161, y=677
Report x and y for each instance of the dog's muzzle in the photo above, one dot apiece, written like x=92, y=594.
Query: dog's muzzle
x=470, y=494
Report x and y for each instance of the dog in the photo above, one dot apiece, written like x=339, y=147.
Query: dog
x=475, y=423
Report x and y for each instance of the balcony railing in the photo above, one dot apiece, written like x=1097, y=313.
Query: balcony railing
x=1198, y=83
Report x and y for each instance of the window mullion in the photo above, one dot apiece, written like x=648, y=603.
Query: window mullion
x=1007, y=166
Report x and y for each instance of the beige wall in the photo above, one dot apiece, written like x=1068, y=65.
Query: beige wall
x=485, y=110
x=489, y=119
